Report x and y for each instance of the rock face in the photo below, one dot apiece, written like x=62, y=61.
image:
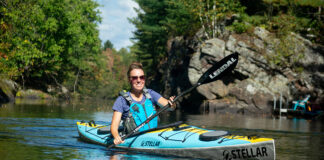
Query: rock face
x=8, y=90
x=255, y=82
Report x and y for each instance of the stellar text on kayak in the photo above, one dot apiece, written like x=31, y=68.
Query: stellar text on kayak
x=245, y=153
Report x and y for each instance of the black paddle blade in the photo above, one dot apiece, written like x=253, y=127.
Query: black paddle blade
x=219, y=69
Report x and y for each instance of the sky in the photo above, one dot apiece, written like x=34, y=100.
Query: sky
x=115, y=26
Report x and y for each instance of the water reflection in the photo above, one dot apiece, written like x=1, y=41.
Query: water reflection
x=47, y=130
x=294, y=138
x=238, y=121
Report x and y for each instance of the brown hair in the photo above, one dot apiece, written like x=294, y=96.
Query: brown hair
x=134, y=65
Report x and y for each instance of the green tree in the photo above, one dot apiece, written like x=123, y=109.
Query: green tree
x=52, y=41
x=209, y=15
x=108, y=44
x=151, y=35
x=113, y=74
x=160, y=20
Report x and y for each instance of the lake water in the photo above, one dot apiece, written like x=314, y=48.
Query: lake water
x=47, y=130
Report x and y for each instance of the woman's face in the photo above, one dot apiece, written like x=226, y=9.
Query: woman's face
x=137, y=79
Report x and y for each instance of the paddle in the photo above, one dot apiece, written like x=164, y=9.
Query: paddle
x=219, y=69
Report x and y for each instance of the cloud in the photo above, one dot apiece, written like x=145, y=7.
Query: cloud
x=115, y=25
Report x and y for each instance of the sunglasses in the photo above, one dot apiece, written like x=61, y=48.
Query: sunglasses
x=134, y=78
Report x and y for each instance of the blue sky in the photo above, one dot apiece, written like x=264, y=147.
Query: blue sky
x=115, y=25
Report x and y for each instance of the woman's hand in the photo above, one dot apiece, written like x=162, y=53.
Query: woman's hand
x=114, y=127
x=163, y=102
x=118, y=140
x=170, y=101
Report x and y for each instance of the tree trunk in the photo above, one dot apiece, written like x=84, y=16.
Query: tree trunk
x=214, y=21
x=76, y=81
x=319, y=13
x=202, y=24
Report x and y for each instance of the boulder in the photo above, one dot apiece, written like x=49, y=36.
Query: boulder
x=213, y=90
x=211, y=51
x=8, y=90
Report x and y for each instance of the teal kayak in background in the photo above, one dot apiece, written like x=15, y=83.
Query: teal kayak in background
x=185, y=141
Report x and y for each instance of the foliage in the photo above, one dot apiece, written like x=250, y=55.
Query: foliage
x=180, y=20
x=160, y=20
x=151, y=34
x=211, y=14
x=240, y=27
x=56, y=43
x=284, y=16
x=112, y=77
x=242, y=24
x=44, y=42
x=108, y=44
x=108, y=77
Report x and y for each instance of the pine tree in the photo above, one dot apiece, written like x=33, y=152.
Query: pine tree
x=151, y=35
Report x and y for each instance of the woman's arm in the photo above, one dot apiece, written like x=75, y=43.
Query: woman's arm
x=114, y=127
x=162, y=101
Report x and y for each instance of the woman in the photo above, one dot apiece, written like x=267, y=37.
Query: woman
x=135, y=106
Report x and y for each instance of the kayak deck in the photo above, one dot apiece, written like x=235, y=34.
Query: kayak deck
x=185, y=140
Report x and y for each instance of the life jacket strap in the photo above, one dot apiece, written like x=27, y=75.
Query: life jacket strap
x=124, y=94
x=146, y=94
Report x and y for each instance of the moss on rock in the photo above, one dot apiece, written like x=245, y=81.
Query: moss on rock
x=33, y=94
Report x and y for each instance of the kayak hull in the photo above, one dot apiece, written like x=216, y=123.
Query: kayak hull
x=184, y=141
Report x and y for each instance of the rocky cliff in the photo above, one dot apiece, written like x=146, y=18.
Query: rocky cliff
x=260, y=76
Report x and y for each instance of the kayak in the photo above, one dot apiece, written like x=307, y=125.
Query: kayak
x=184, y=140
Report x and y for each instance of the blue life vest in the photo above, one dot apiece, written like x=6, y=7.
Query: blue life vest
x=140, y=112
